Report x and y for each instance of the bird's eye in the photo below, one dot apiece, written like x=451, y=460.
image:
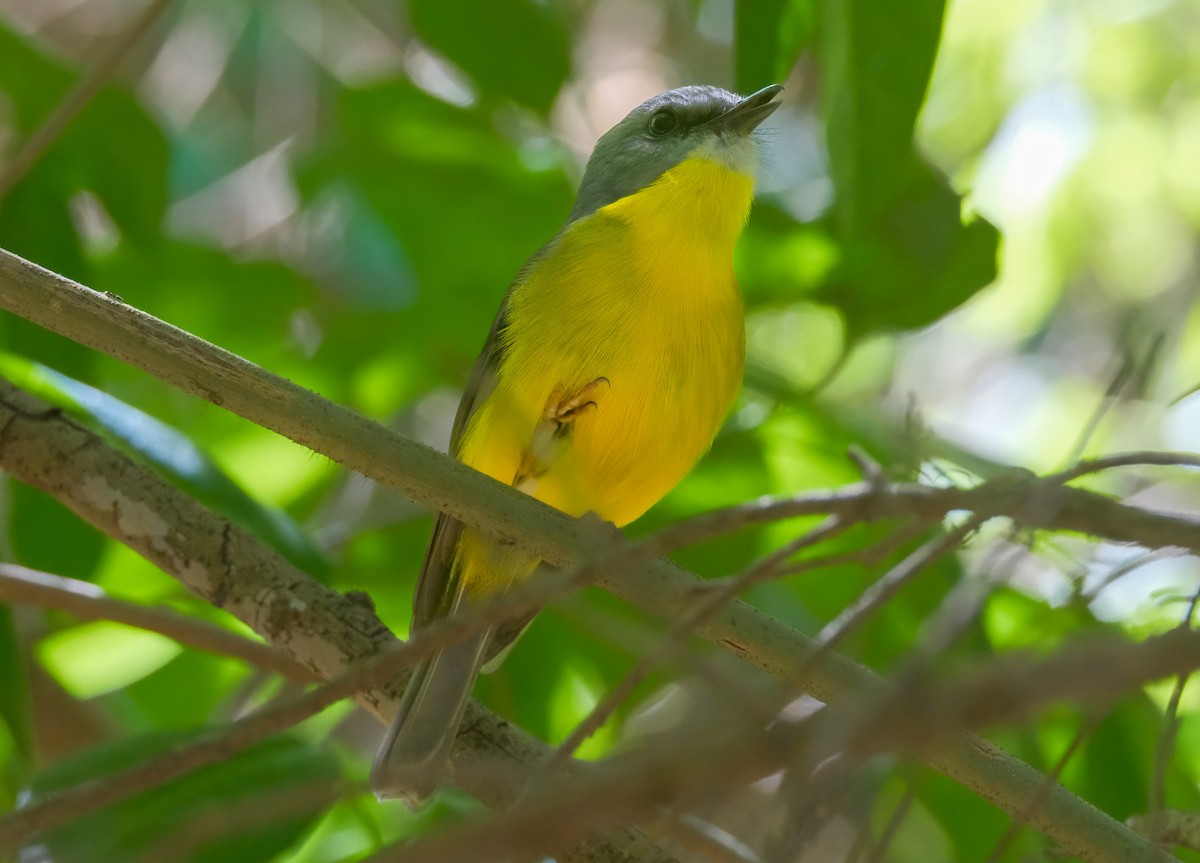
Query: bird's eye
x=663, y=123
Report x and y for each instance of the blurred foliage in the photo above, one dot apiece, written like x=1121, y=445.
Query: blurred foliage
x=201, y=817
x=341, y=192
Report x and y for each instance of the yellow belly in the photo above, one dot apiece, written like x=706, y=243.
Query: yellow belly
x=623, y=297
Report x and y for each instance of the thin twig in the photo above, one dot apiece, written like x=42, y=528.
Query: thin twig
x=1039, y=796
x=880, y=592
x=873, y=555
x=686, y=625
x=223, y=821
x=108, y=325
x=707, y=840
x=1166, y=741
x=1118, y=572
x=86, y=601
x=78, y=97
x=1091, y=671
x=1170, y=827
x=878, y=852
x=221, y=743
x=103, y=322
x=236, y=572
x=666, y=770
x=810, y=789
x=1120, y=380
x=1141, y=458
x=960, y=608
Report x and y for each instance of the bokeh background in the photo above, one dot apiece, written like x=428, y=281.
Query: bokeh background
x=341, y=190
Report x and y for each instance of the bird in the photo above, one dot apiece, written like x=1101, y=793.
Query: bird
x=614, y=358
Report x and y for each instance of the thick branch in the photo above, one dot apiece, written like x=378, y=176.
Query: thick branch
x=103, y=322
x=106, y=324
x=233, y=570
x=918, y=714
x=223, y=742
x=329, y=632
x=21, y=586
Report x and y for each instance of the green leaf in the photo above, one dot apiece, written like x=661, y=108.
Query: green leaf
x=779, y=260
x=907, y=257
x=245, y=306
x=15, y=706
x=154, y=702
x=123, y=159
x=522, y=53
x=1014, y=620
x=953, y=806
x=174, y=455
x=35, y=224
x=1113, y=768
x=30, y=79
x=920, y=835
x=768, y=37
x=48, y=536
x=112, y=148
x=102, y=656
x=466, y=206
x=208, y=816
x=915, y=265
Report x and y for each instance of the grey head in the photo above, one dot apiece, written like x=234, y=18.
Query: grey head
x=664, y=131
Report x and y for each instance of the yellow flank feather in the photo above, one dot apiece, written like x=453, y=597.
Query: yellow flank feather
x=640, y=293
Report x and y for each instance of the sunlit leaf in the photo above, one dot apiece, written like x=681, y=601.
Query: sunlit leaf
x=99, y=657
x=907, y=256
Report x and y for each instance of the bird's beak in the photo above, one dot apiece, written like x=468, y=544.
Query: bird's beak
x=745, y=116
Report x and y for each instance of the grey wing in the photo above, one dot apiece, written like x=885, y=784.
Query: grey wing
x=435, y=595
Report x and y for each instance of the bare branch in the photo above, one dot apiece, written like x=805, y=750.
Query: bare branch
x=1166, y=740
x=697, y=614
x=1172, y=827
x=708, y=840
x=221, y=743
x=1092, y=671
x=883, y=589
x=231, y=818
x=322, y=629
x=86, y=601
x=1141, y=458
x=1014, y=827
x=330, y=632
x=919, y=716
x=106, y=324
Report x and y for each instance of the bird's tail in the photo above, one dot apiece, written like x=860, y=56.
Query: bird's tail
x=414, y=752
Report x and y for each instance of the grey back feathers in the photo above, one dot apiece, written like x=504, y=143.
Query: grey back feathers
x=655, y=137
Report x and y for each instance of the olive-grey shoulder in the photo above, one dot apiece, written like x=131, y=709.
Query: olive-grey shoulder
x=653, y=138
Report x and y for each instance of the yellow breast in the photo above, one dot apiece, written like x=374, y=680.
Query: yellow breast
x=642, y=293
